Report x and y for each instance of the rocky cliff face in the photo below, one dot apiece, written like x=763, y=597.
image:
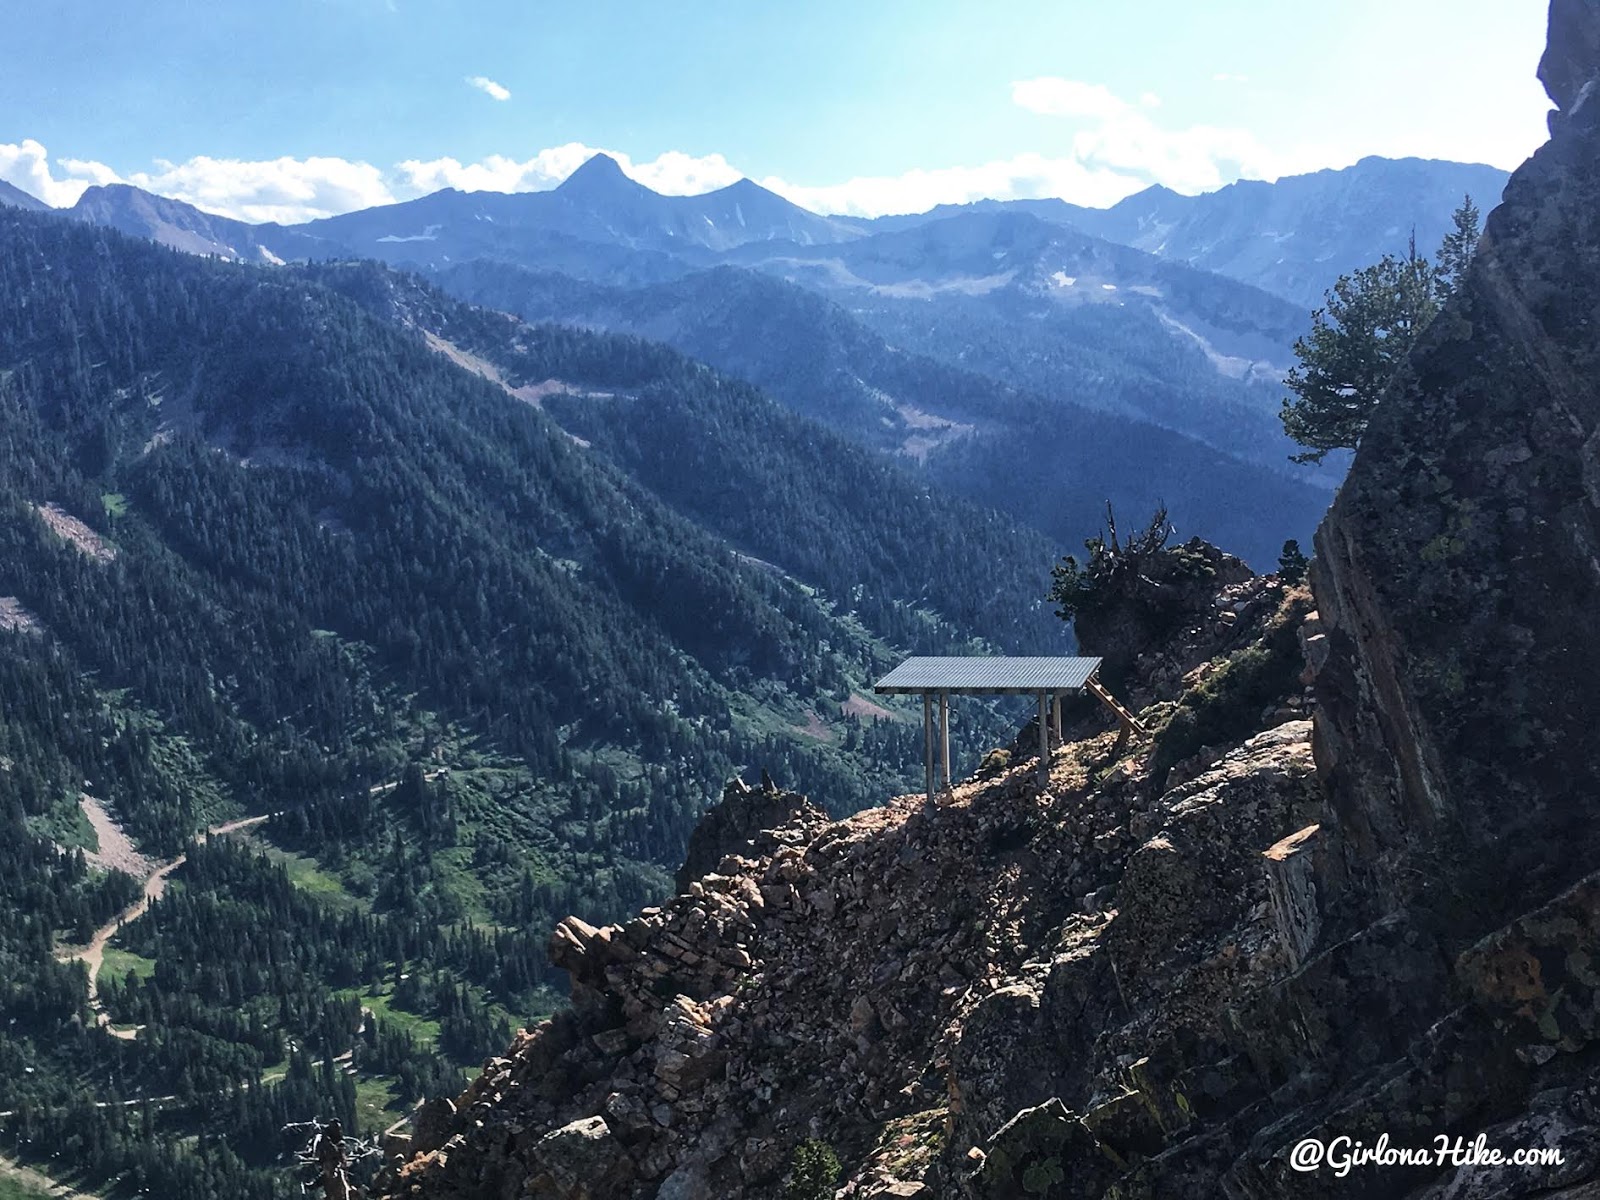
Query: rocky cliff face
x=1191, y=952
x=1459, y=567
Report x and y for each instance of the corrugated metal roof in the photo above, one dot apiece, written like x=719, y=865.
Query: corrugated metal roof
x=988, y=676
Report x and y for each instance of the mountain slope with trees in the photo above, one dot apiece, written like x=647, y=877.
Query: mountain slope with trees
x=1045, y=457
x=273, y=543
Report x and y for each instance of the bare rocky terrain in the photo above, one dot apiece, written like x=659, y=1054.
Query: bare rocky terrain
x=65, y=525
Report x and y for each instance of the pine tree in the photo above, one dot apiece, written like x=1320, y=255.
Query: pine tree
x=813, y=1172
x=1364, y=332
x=1455, y=252
x=1357, y=341
x=1292, y=563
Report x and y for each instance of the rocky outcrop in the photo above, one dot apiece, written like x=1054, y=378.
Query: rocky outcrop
x=746, y=822
x=887, y=982
x=1568, y=65
x=1458, y=569
x=1158, y=603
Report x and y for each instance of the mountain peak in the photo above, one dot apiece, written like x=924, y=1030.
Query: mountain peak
x=600, y=173
x=747, y=187
x=101, y=197
x=1156, y=193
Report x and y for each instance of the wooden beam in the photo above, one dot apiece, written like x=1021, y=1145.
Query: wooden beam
x=927, y=744
x=1055, y=715
x=1129, y=722
x=944, y=738
x=1044, y=743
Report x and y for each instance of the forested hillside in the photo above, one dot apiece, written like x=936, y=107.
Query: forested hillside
x=289, y=542
x=1109, y=405
x=777, y=486
x=1035, y=357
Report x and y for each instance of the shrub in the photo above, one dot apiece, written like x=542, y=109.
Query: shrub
x=994, y=762
x=813, y=1172
x=1139, y=573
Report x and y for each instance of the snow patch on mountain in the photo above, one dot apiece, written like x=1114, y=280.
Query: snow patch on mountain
x=430, y=233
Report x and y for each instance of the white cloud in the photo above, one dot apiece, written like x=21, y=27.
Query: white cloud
x=26, y=164
x=1111, y=149
x=1122, y=137
x=280, y=189
x=677, y=174
x=1027, y=176
x=497, y=173
x=488, y=87
x=289, y=190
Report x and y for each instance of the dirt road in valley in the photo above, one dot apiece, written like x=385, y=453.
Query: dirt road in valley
x=92, y=955
x=117, y=853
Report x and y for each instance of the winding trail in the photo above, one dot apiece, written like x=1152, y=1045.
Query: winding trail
x=405, y=1120
x=117, y=852
x=92, y=955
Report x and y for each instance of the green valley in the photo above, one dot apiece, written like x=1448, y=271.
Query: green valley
x=304, y=545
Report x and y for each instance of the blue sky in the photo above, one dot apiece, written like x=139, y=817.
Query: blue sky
x=290, y=109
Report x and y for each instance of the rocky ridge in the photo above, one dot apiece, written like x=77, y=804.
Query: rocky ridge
x=879, y=982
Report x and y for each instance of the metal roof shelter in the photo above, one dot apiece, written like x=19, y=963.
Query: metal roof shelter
x=1047, y=678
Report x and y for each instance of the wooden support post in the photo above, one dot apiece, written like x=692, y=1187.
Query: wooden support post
x=1055, y=715
x=927, y=743
x=1044, y=744
x=944, y=738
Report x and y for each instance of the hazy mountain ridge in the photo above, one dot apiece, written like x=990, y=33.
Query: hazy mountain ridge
x=183, y=227
x=972, y=432
x=597, y=204
x=1292, y=237
x=1052, y=311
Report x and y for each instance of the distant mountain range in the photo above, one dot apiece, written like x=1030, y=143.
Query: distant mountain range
x=970, y=431
x=597, y=204
x=1293, y=237
x=1133, y=353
